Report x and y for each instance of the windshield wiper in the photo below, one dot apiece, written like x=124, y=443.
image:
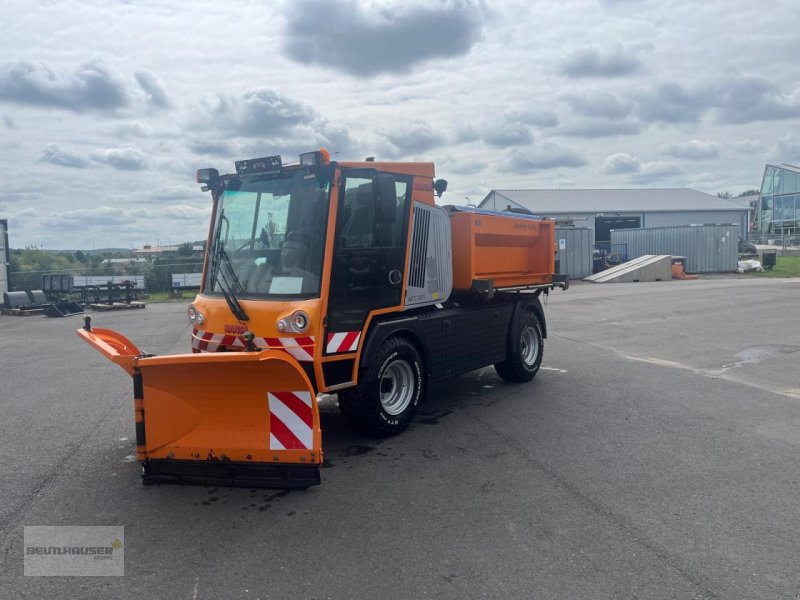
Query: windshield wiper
x=216, y=265
x=227, y=289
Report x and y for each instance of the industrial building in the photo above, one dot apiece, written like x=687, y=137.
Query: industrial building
x=605, y=209
x=778, y=210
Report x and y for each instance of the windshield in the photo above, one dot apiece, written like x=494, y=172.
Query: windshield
x=269, y=237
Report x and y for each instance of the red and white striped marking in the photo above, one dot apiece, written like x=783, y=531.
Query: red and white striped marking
x=343, y=342
x=302, y=348
x=291, y=421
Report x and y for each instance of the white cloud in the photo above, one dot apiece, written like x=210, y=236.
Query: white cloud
x=127, y=157
x=55, y=155
x=508, y=133
x=167, y=194
x=256, y=112
x=546, y=155
x=90, y=86
x=655, y=171
x=154, y=89
x=694, y=149
x=599, y=103
x=787, y=149
x=592, y=62
x=598, y=127
x=746, y=146
x=639, y=172
x=621, y=163
x=411, y=138
x=731, y=100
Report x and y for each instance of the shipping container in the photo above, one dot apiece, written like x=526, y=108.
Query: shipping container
x=706, y=248
x=574, y=251
x=4, y=256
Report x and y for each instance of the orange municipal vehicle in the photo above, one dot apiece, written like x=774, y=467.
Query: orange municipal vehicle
x=325, y=277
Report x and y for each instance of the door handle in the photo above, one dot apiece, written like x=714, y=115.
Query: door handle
x=395, y=277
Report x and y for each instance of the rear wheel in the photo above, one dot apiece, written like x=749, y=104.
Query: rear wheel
x=389, y=392
x=523, y=363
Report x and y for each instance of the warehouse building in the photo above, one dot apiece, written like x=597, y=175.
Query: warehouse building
x=603, y=210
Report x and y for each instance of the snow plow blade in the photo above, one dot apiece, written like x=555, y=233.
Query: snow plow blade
x=229, y=418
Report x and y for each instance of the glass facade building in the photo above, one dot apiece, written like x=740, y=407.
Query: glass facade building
x=778, y=210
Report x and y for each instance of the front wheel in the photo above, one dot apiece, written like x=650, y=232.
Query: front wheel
x=523, y=363
x=389, y=392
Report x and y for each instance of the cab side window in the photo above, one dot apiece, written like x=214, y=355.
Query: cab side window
x=360, y=227
x=395, y=234
x=358, y=214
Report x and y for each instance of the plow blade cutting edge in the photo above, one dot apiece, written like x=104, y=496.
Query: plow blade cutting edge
x=229, y=418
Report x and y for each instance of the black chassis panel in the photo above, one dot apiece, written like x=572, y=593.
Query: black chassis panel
x=456, y=340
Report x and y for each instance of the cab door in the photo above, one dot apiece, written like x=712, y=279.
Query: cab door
x=368, y=257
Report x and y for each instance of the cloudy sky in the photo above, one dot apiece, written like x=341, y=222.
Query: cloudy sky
x=107, y=108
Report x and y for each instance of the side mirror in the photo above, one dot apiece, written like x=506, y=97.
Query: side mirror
x=440, y=185
x=386, y=190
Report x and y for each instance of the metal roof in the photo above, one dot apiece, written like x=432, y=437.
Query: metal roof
x=609, y=200
x=786, y=167
x=746, y=201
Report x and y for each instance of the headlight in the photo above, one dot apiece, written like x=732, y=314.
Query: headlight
x=297, y=322
x=300, y=321
x=195, y=316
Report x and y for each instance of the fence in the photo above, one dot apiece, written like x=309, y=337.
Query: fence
x=186, y=280
x=781, y=240
x=154, y=277
x=707, y=248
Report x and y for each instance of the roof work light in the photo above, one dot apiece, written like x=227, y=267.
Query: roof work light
x=318, y=158
x=207, y=177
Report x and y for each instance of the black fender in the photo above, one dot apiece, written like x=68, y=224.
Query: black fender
x=380, y=331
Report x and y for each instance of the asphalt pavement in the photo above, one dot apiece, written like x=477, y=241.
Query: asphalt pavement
x=654, y=456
